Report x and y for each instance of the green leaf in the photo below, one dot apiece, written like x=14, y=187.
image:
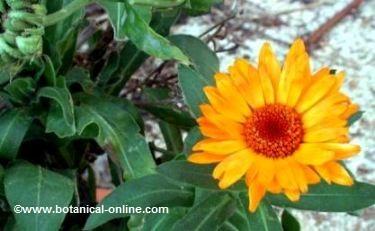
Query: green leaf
x=330, y=198
x=117, y=16
x=152, y=190
x=172, y=137
x=263, y=219
x=116, y=131
x=208, y=214
x=13, y=126
x=49, y=71
x=161, y=221
x=160, y=107
x=120, y=66
x=192, y=84
x=197, y=7
x=63, y=35
x=1, y=181
x=202, y=57
x=81, y=77
x=355, y=117
x=60, y=119
x=194, y=174
x=191, y=139
x=20, y=90
x=146, y=39
x=33, y=186
x=289, y=222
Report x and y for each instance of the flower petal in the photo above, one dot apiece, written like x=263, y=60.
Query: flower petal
x=231, y=169
x=324, y=134
x=319, y=88
x=220, y=147
x=234, y=129
x=222, y=106
x=230, y=93
x=205, y=158
x=312, y=154
x=269, y=63
x=256, y=193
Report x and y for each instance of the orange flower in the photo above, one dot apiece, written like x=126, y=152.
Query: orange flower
x=281, y=128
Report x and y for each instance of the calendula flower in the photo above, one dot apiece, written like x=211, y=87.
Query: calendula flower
x=280, y=128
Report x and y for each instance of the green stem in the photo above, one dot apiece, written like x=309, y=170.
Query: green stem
x=158, y=3
x=65, y=12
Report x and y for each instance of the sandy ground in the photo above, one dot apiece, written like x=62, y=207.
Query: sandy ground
x=349, y=46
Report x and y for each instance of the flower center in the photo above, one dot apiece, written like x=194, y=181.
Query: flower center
x=274, y=131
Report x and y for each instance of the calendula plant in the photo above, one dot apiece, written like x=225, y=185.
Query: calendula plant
x=258, y=136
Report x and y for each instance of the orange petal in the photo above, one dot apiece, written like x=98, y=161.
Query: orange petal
x=222, y=106
x=230, y=93
x=293, y=195
x=256, y=193
x=311, y=176
x=231, y=127
x=297, y=49
x=338, y=174
x=351, y=109
x=231, y=169
x=220, y=147
x=205, y=158
x=284, y=175
x=269, y=63
x=318, y=89
x=208, y=129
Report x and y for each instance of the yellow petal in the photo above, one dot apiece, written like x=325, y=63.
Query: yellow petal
x=234, y=129
x=220, y=147
x=350, y=110
x=284, y=175
x=342, y=151
x=312, y=154
x=311, y=176
x=334, y=172
x=268, y=62
x=266, y=168
x=299, y=75
x=208, y=129
x=338, y=174
x=324, y=134
x=293, y=195
x=323, y=172
x=323, y=109
x=297, y=49
x=252, y=172
x=273, y=186
x=299, y=175
x=229, y=92
x=315, y=92
x=268, y=91
x=256, y=193
x=205, y=158
x=222, y=106
x=232, y=168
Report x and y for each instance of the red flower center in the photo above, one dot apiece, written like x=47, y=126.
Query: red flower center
x=274, y=131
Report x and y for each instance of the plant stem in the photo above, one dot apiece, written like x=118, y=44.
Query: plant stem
x=158, y=3
x=65, y=12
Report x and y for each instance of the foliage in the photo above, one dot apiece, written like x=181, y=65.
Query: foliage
x=57, y=113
